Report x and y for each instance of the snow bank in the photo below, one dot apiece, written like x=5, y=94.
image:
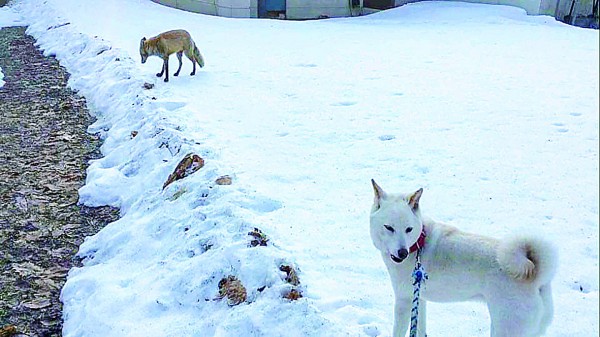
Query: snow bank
x=9, y=17
x=156, y=270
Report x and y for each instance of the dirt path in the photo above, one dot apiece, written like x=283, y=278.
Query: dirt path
x=44, y=151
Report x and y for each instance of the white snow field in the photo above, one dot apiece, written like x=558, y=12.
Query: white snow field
x=493, y=112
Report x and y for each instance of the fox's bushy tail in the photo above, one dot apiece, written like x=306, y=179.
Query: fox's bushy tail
x=197, y=56
x=528, y=259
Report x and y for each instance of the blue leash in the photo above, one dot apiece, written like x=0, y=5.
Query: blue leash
x=419, y=277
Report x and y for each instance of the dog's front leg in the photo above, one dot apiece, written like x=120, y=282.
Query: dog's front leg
x=401, y=316
x=422, y=321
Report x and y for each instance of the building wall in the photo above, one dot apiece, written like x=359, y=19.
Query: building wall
x=532, y=7
x=312, y=9
x=580, y=8
x=302, y=9
x=295, y=9
x=226, y=8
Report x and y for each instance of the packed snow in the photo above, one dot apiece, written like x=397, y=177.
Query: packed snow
x=493, y=112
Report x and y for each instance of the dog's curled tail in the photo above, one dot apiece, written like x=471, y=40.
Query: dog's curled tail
x=528, y=259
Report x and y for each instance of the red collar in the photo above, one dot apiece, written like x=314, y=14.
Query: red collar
x=420, y=242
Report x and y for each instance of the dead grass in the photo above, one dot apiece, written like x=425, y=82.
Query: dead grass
x=44, y=150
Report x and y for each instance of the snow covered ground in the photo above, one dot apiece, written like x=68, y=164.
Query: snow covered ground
x=494, y=113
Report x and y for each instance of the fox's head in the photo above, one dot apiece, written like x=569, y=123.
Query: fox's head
x=395, y=222
x=143, y=50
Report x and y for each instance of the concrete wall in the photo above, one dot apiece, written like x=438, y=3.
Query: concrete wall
x=303, y=9
x=581, y=8
x=556, y=8
x=532, y=7
x=295, y=9
x=312, y=9
x=226, y=8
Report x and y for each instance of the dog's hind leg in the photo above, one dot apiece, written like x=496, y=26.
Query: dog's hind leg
x=401, y=316
x=548, y=308
x=516, y=315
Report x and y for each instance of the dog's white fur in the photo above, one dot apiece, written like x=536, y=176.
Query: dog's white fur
x=512, y=276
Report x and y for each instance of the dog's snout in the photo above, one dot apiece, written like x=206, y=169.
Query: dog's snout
x=402, y=253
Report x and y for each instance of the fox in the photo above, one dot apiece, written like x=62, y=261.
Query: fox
x=164, y=44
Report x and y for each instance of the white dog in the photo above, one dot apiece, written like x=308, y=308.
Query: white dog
x=512, y=277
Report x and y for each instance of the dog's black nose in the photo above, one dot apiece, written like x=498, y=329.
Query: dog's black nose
x=402, y=253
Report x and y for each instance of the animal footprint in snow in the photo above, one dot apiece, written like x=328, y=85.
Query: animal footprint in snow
x=344, y=103
x=386, y=137
x=561, y=128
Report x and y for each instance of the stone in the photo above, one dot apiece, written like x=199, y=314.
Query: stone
x=233, y=290
x=223, y=180
x=188, y=165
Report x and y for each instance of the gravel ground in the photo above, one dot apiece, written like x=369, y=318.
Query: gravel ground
x=44, y=151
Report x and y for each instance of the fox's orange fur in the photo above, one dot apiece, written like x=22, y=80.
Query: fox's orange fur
x=174, y=41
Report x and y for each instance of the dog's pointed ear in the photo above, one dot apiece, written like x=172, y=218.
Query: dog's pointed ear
x=379, y=193
x=413, y=200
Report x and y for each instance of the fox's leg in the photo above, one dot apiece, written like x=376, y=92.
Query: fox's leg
x=166, y=69
x=191, y=57
x=162, y=71
x=179, y=53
